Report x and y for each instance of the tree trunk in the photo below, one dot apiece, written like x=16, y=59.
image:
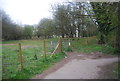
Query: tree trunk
x=62, y=35
x=118, y=32
x=71, y=34
x=102, y=39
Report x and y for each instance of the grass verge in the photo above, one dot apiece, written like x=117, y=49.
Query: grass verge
x=32, y=67
x=38, y=66
x=117, y=70
x=80, y=45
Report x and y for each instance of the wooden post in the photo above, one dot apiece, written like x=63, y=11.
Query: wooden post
x=60, y=45
x=35, y=56
x=21, y=58
x=86, y=41
x=44, y=49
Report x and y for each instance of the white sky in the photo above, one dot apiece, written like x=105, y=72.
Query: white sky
x=28, y=11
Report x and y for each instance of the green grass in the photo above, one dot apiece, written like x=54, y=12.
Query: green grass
x=11, y=64
x=37, y=66
x=31, y=65
x=117, y=70
x=92, y=46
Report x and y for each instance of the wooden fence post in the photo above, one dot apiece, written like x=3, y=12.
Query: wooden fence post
x=21, y=58
x=44, y=49
x=35, y=56
x=86, y=41
x=60, y=45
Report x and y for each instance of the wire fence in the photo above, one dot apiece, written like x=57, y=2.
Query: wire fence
x=10, y=60
x=18, y=56
x=32, y=54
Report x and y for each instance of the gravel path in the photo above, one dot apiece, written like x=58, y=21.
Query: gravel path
x=86, y=67
x=81, y=69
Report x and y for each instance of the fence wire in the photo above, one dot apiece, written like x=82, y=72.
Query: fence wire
x=10, y=61
x=32, y=56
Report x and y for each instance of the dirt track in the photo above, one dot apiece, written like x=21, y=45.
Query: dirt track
x=82, y=66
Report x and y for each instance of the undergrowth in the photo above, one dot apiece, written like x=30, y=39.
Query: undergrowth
x=92, y=46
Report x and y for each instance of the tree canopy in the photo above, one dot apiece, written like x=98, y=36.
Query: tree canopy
x=71, y=19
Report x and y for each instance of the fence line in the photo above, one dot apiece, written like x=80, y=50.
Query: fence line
x=24, y=58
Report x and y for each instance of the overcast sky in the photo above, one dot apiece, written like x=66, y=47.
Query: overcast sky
x=28, y=11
